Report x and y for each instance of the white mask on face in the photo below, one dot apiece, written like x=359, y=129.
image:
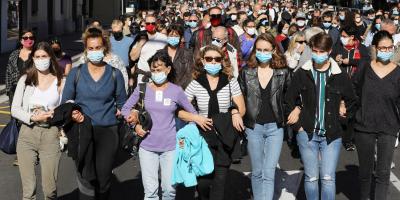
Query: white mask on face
x=285, y=31
x=42, y=64
x=251, y=31
x=300, y=23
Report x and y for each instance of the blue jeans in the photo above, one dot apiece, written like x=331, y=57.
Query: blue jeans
x=320, y=161
x=150, y=162
x=264, y=147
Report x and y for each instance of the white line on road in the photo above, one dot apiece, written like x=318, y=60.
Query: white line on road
x=395, y=181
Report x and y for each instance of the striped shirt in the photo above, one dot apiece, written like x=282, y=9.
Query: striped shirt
x=320, y=79
x=200, y=94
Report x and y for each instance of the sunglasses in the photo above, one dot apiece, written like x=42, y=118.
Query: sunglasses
x=28, y=37
x=210, y=59
x=327, y=21
x=152, y=23
x=215, y=16
x=192, y=20
x=217, y=40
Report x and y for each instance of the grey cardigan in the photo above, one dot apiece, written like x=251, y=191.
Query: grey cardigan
x=20, y=104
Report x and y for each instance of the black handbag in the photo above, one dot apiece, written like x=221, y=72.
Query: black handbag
x=144, y=116
x=9, y=137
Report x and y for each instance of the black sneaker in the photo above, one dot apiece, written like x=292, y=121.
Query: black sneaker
x=349, y=146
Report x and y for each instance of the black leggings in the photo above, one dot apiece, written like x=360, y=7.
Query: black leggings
x=212, y=186
x=366, y=143
x=106, y=142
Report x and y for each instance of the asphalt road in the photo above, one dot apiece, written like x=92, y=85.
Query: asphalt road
x=127, y=183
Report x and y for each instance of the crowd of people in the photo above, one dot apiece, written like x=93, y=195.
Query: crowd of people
x=247, y=74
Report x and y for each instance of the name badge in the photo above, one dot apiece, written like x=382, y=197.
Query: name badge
x=167, y=102
x=159, y=96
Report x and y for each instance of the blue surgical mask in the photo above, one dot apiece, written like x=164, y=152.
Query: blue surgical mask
x=319, y=59
x=263, y=57
x=193, y=24
x=327, y=25
x=213, y=69
x=173, y=41
x=378, y=27
x=341, y=17
x=159, y=78
x=384, y=56
x=95, y=57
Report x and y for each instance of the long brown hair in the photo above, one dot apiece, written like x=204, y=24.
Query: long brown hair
x=226, y=64
x=32, y=72
x=278, y=59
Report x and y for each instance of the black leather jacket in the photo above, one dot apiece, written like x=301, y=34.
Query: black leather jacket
x=249, y=83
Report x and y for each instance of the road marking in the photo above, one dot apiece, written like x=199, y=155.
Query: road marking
x=5, y=112
x=395, y=181
x=287, y=183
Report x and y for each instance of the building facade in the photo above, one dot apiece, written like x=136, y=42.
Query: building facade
x=51, y=17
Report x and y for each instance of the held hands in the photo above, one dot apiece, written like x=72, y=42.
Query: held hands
x=133, y=117
x=77, y=116
x=294, y=116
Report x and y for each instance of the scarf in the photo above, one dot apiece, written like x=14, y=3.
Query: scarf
x=213, y=105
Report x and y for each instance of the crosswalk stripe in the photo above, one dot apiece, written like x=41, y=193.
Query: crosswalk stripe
x=395, y=181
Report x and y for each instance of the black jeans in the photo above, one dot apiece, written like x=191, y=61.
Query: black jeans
x=366, y=143
x=212, y=186
x=348, y=131
x=106, y=142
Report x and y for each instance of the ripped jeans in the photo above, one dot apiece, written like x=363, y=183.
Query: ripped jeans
x=320, y=161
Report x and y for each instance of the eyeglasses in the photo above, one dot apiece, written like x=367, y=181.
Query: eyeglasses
x=215, y=16
x=192, y=20
x=301, y=42
x=210, y=59
x=28, y=37
x=386, y=49
x=152, y=23
x=327, y=21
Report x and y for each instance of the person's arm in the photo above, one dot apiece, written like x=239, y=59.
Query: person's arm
x=130, y=103
x=349, y=97
x=135, y=52
x=9, y=69
x=17, y=110
x=120, y=90
x=68, y=68
x=292, y=98
x=69, y=88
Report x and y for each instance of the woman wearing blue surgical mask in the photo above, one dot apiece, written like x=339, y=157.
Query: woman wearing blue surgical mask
x=181, y=57
x=313, y=100
x=217, y=95
x=99, y=90
x=157, y=150
x=377, y=119
x=263, y=82
x=37, y=93
x=375, y=27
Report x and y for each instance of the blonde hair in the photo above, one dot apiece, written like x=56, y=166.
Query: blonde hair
x=94, y=32
x=226, y=64
x=117, y=22
x=292, y=44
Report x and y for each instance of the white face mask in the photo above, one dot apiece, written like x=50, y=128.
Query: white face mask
x=208, y=25
x=251, y=31
x=234, y=17
x=344, y=40
x=42, y=64
x=285, y=31
x=300, y=23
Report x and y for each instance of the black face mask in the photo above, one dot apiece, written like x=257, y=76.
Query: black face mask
x=118, y=35
x=57, y=52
